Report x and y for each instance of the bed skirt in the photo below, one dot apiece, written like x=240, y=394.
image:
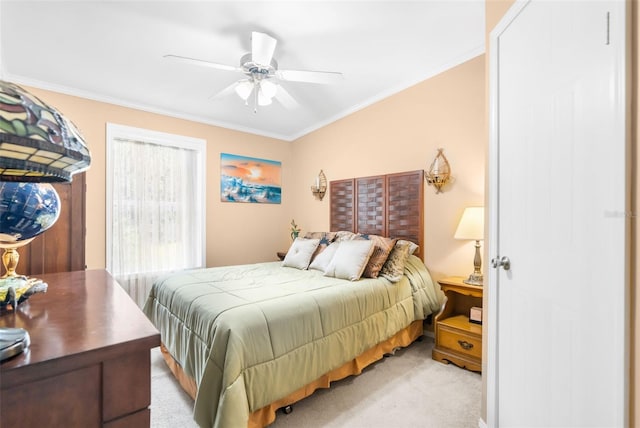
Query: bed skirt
x=266, y=415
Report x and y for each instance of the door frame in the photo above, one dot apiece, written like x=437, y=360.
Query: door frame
x=492, y=212
x=493, y=250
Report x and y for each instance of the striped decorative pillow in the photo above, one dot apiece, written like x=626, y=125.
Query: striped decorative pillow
x=382, y=248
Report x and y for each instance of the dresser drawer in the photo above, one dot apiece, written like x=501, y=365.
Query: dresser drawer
x=126, y=387
x=459, y=341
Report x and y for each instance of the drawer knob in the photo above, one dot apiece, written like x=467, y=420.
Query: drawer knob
x=465, y=345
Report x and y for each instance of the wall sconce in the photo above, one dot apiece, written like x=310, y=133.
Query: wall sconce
x=439, y=172
x=320, y=186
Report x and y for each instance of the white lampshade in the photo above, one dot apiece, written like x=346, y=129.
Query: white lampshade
x=244, y=88
x=471, y=224
x=268, y=88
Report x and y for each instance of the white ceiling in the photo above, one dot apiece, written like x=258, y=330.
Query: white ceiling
x=113, y=51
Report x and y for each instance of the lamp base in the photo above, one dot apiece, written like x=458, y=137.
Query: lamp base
x=474, y=279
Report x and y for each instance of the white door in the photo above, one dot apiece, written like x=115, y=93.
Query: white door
x=558, y=322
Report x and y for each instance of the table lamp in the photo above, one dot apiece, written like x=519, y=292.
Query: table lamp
x=38, y=146
x=471, y=227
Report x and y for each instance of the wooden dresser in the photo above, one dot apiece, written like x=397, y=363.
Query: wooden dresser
x=89, y=360
x=458, y=340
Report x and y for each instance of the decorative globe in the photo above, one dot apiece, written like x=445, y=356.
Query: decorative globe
x=26, y=210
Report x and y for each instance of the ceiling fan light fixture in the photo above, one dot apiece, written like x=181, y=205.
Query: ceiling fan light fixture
x=244, y=89
x=263, y=100
x=268, y=88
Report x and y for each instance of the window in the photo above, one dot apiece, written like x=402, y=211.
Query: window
x=155, y=206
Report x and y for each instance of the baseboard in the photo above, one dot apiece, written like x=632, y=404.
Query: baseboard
x=482, y=423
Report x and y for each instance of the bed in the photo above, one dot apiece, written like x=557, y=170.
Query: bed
x=246, y=340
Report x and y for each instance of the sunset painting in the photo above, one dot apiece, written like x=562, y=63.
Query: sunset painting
x=245, y=179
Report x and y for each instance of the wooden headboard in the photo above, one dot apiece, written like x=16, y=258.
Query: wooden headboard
x=389, y=205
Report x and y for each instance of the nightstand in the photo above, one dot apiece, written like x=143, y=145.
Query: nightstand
x=458, y=340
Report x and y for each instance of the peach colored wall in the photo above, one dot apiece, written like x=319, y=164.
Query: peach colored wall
x=232, y=229
x=403, y=133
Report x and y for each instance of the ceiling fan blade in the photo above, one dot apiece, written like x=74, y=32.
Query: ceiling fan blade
x=202, y=63
x=262, y=48
x=226, y=91
x=284, y=97
x=324, y=77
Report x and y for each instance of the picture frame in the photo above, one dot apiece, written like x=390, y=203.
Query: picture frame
x=245, y=179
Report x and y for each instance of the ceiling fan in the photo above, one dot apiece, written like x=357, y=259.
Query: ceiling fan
x=262, y=74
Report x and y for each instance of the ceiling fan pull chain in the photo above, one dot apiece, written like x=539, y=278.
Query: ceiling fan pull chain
x=255, y=98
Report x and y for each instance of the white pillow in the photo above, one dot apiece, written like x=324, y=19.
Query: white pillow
x=322, y=260
x=350, y=259
x=300, y=252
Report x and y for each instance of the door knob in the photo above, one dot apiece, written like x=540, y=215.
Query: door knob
x=504, y=262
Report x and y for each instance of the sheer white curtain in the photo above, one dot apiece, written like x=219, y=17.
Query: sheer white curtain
x=156, y=210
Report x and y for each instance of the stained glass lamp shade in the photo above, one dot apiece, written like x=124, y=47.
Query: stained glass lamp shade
x=37, y=143
x=37, y=146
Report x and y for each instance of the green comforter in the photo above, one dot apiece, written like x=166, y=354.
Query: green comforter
x=252, y=334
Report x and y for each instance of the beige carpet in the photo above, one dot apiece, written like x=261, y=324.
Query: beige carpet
x=408, y=389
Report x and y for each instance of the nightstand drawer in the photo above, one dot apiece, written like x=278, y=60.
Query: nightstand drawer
x=459, y=341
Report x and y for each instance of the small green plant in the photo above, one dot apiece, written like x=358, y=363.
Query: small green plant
x=295, y=231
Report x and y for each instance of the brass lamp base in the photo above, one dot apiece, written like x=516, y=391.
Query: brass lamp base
x=15, y=288
x=474, y=279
